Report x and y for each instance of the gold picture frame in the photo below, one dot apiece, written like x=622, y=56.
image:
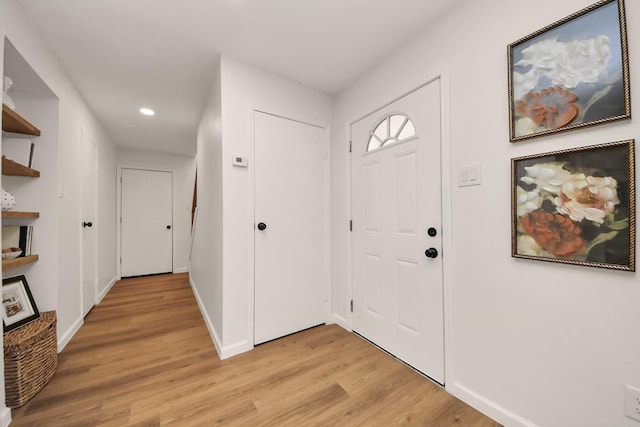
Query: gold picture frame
x=570, y=74
x=576, y=206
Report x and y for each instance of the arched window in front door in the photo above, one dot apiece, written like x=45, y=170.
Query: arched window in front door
x=391, y=129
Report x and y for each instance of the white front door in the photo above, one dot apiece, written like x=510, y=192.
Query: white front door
x=147, y=222
x=396, y=207
x=290, y=226
x=88, y=223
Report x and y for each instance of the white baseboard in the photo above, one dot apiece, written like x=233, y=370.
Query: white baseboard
x=224, y=352
x=5, y=417
x=207, y=319
x=106, y=290
x=64, y=338
x=181, y=270
x=340, y=321
x=488, y=407
x=235, y=349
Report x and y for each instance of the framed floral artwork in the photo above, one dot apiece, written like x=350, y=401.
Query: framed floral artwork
x=576, y=206
x=18, y=305
x=570, y=74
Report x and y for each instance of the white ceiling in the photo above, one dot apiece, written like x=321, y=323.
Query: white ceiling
x=125, y=54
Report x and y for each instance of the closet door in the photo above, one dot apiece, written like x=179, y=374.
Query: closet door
x=290, y=226
x=147, y=222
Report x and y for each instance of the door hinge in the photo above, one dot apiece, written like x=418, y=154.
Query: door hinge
x=349, y=146
x=350, y=225
x=121, y=260
x=351, y=305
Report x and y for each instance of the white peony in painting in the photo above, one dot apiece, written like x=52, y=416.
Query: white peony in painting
x=573, y=74
x=576, y=206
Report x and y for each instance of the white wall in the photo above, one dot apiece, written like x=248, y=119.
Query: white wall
x=207, y=255
x=245, y=88
x=242, y=89
x=529, y=343
x=74, y=115
x=38, y=195
x=107, y=216
x=5, y=413
x=183, y=168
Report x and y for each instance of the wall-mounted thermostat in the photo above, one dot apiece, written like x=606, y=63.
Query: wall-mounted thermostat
x=240, y=161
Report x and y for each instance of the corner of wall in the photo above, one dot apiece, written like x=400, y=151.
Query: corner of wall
x=106, y=289
x=64, y=339
x=235, y=349
x=217, y=341
x=5, y=417
x=340, y=321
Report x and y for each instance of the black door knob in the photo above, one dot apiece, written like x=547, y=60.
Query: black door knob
x=87, y=224
x=262, y=226
x=432, y=232
x=168, y=227
x=431, y=253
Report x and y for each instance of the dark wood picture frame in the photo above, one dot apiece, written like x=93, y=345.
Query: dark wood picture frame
x=576, y=206
x=18, y=305
x=570, y=74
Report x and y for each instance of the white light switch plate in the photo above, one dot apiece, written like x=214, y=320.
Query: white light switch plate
x=469, y=175
x=632, y=402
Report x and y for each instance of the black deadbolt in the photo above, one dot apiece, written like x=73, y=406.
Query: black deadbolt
x=168, y=227
x=431, y=253
x=432, y=232
x=262, y=226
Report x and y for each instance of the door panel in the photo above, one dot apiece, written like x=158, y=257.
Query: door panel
x=397, y=290
x=89, y=226
x=147, y=222
x=290, y=253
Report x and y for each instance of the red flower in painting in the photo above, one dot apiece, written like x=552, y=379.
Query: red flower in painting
x=556, y=233
x=552, y=108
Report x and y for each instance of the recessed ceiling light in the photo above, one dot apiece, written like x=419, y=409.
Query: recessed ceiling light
x=147, y=111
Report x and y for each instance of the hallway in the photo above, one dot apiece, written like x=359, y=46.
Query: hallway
x=144, y=358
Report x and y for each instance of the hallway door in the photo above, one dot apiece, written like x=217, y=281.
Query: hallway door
x=290, y=226
x=147, y=222
x=396, y=208
x=89, y=227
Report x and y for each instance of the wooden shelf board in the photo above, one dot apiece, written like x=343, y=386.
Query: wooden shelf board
x=14, y=122
x=18, y=214
x=9, y=167
x=9, y=264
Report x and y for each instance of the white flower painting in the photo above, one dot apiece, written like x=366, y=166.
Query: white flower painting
x=574, y=73
x=575, y=206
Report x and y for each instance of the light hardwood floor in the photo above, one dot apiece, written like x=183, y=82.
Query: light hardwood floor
x=144, y=358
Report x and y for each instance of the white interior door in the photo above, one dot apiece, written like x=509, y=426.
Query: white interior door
x=88, y=223
x=396, y=207
x=147, y=222
x=290, y=226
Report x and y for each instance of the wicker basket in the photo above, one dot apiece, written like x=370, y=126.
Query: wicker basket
x=30, y=359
